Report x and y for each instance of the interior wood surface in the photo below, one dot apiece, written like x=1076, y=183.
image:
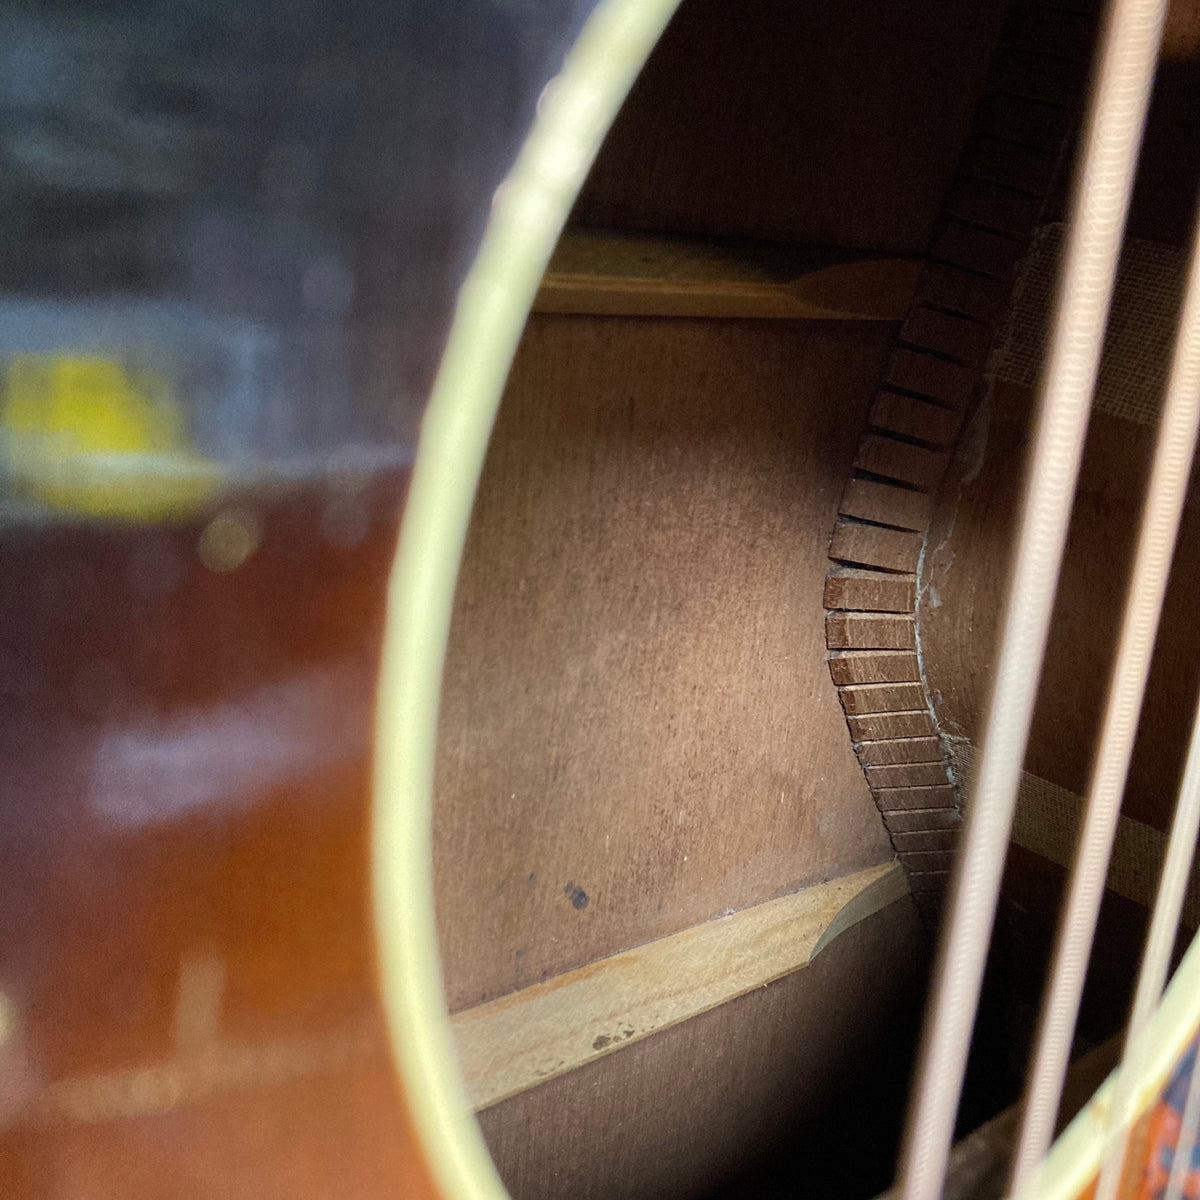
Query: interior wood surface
x=962, y=591
x=1163, y=205
x=639, y=731
x=979, y=1163
x=826, y=124
x=768, y=1087
x=525, y=1038
x=616, y=273
x=1027, y=919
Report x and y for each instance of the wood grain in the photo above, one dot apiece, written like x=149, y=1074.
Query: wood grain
x=901, y=461
x=614, y=273
x=966, y=571
x=940, y=796
x=913, y=820
x=873, y=666
x=884, y=503
x=932, y=379
x=829, y=132
x=198, y=995
x=528, y=1037
x=870, y=631
x=882, y=697
x=874, y=546
x=894, y=751
x=927, y=862
x=1047, y=822
x=913, y=371
x=698, y=1107
x=639, y=731
x=918, y=419
x=925, y=839
x=908, y=775
x=853, y=588
x=962, y=339
x=917, y=723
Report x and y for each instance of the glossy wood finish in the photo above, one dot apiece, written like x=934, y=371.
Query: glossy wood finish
x=187, y=970
x=187, y=994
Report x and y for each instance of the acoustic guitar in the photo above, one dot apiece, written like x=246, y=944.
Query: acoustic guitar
x=410, y=794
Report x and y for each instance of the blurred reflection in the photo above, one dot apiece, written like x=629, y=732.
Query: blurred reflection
x=231, y=235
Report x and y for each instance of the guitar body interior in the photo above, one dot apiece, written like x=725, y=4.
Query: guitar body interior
x=721, y=641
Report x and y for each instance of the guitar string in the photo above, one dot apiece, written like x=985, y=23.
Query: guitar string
x=1117, y=113
x=1164, y=506
x=1158, y=528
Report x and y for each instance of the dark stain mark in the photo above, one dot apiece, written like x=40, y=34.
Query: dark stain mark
x=520, y=955
x=607, y=1039
x=532, y=878
x=577, y=896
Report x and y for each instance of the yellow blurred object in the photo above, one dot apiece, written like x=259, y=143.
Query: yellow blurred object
x=84, y=435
